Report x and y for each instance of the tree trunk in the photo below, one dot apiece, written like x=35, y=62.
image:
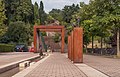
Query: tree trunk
x=92, y=44
x=101, y=45
x=118, y=52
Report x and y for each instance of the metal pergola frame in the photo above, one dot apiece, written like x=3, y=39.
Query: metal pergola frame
x=48, y=28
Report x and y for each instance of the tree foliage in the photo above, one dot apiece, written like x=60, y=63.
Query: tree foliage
x=56, y=14
x=17, y=32
x=68, y=11
x=36, y=13
x=24, y=11
x=2, y=18
x=42, y=14
x=19, y=10
x=100, y=18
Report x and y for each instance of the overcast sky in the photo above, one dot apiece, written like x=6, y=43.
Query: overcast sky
x=57, y=4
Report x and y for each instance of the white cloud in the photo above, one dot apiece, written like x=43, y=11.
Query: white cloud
x=57, y=4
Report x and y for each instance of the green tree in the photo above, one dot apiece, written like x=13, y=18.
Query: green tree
x=50, y=19
x=2, y=18
x=68, y=11
x=19, y=10
x=87, y=33
x=85, y=14
x=107, y=15
x=42, y=14
x=24, y=11
x=56, y=14
x=10, y=6
x=36, y=13
x=104, y=15
x=17, y=32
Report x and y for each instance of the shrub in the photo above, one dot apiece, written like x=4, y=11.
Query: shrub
x=56, y=38
x=6, y=47
x=44, y=34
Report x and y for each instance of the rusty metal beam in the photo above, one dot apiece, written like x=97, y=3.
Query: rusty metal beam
x=48, y=27
x=35, y=39
x=50, y=30
x=62, y=42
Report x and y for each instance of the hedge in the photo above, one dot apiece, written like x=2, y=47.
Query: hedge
x=6, y=47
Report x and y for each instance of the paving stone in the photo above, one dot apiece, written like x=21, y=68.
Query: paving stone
x=109, y=66
x=57, y=65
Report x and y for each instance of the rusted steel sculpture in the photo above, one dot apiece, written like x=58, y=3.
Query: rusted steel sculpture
x=48, y=28
x=75, y=45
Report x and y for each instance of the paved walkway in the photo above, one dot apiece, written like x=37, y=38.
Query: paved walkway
x=108, y=66
x=6, y=58
x=57, y=65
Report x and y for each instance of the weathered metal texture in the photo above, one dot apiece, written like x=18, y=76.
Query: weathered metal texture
x=72, y=46
x=69, y=47
x=62, y=42
x=78, y=45
x=49, y=29
x=35, y=38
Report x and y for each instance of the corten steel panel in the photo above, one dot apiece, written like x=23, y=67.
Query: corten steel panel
x=78, y=45
x=35, y=39
x=69, y=47
x=63, y=36
x=72, y=47
x=51, y=29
